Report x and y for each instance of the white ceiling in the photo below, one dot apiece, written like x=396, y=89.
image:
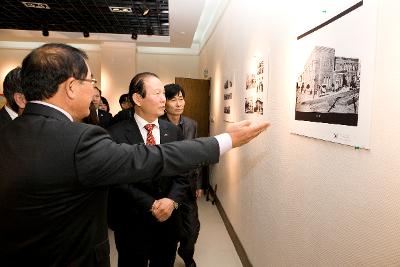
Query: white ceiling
x=191, y=23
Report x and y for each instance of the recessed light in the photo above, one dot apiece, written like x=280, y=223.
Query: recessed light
x=118, y=9
x=183, y=32
x=36, y=5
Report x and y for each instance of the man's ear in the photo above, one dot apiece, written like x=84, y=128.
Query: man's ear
x=137, y=99
x=70, y=87
x=19, y=98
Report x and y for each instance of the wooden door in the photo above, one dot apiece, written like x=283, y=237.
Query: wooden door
x=197, y=98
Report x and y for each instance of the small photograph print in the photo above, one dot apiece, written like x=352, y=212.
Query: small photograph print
x=227, y=96
x=258, y=107
x=260, y=85
x=248, y=105
x=227, y=110
x=227, y=84
x=260, y=67
x=251, y=81
x=328, y=89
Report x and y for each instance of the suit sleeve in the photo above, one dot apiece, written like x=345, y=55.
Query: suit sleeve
x=198, y=173
x=179, y=187
x=140, y=198
x=100, y=161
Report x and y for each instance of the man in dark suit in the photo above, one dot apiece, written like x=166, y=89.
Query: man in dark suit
x=140, y=235
x=96, y=115
x=15, y=98
x=190, y=224
x=127, y=110
x=55, y=172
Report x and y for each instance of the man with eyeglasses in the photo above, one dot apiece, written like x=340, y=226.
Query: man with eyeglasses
x=56, y=171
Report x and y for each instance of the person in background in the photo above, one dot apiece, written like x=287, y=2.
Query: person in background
x=190, y=224
x=14, y=96
x=98, y=116
x=55, y=171
x=125, y=102
x=127, y=111
x=104, y=104
x=144, y=234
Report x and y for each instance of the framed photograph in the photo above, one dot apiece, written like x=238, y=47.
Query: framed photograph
x=228, y=91
x=335, y=77
x=255, y=88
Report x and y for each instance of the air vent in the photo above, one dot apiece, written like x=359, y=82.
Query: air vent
x=36, y=5
x=117, y=9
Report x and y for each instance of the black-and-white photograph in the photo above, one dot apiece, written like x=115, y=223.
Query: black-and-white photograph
x=227, y=84
x=248, y=105
x=251, y=81
x=227, y=110
x=258, y=107
x=256, y=87
x=260, y=85
x=227, y=96
x=328, y=89
x=260, y=67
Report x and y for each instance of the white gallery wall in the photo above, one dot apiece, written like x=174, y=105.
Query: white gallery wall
x=168, y=66
x=294, y=200
x=117, y=70
x=12, y=53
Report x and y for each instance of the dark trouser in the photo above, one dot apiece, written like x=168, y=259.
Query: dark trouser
x=149, y=242
x=189, y=230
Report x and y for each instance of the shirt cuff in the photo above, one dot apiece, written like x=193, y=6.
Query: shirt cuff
x=224, y=142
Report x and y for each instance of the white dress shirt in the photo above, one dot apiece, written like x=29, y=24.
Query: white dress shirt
x=142, y=122
x=11, y=112
x=55, y=107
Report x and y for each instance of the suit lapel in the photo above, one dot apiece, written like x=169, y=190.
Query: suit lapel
x=133, y=134
x=165, y=135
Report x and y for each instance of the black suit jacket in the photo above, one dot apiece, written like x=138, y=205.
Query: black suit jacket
x=125, y=114
x=54, y=183
x=4, y=117
x=104, y=118
x=130, y=204
x=188, y=127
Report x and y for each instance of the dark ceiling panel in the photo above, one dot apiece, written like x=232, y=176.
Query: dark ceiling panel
x=87, y=15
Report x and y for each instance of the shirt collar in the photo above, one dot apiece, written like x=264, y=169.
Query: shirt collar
x=11, y=112
x=142, y=122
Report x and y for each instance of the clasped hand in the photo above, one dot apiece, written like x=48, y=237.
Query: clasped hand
x=162, y=209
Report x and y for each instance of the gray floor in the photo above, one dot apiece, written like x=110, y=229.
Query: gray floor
x=214, y=247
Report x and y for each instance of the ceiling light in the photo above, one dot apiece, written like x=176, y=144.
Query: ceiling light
x=118, y=9
x=146, y=10
x=134, y=36
x=36, y=5
x=86, y=34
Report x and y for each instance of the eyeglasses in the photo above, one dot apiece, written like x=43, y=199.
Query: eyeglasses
x=93, y=81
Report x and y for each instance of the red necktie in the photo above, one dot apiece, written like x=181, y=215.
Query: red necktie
x=150, y=140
